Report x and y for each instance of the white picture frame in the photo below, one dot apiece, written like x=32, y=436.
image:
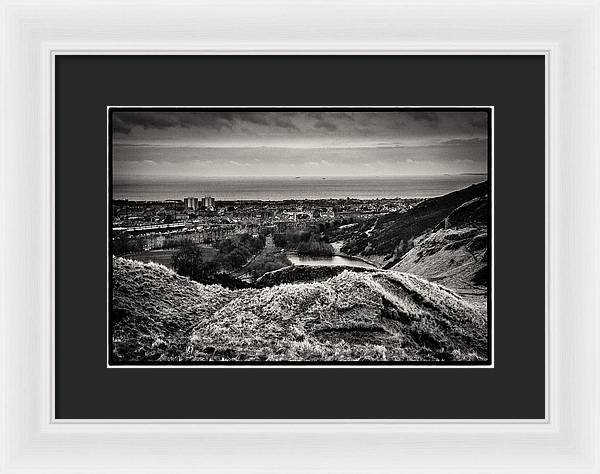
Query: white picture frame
x=566, y=33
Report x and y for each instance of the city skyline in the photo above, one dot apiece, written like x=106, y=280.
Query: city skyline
x=305, y=143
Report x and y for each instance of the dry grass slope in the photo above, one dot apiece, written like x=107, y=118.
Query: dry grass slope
x=154, y=309
x=352, y=316
x=452, y=257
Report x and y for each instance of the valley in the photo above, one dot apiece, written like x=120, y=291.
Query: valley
x=406, y=285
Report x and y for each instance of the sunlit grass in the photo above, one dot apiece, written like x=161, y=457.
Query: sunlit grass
x=352, y=316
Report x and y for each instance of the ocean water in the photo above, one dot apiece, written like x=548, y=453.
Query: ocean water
x=280, y=188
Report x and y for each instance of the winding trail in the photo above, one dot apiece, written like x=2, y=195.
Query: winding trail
x=242, y=272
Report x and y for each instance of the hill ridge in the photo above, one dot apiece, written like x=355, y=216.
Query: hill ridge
x=389, y=237
x=352, y=316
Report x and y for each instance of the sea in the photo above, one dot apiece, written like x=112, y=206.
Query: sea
x=299, y=188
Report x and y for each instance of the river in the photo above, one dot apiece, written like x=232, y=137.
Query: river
x=334, y=261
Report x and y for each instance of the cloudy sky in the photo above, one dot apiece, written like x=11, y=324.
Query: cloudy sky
x=285, y=143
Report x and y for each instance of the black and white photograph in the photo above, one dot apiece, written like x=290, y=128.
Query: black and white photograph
x=302, y=236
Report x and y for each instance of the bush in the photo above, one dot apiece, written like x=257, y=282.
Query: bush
x=315, y=248
x=188, y=261
x=304, y=242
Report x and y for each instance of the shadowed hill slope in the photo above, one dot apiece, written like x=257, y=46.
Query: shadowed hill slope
x=455, y=253
x=390, y=236
x=351, y=316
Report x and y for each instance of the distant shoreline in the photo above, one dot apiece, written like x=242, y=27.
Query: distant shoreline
x=292, y=189
x=264, y=201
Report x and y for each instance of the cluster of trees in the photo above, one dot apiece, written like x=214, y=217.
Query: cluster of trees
x=174, y=242
x=305, y=242
x=190, y=261
x=233, y=253
x=316, y=248
x=123, y=244
x=290, y=239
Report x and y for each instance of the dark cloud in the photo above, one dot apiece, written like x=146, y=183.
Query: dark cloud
x=479, y=121
x=282, y=128
x=465, y=141
x=323, y=142
x=430, y=118
x=284, y=122
x=121, y=127
x=329, y=126
x=124, y=122
x=253, y=117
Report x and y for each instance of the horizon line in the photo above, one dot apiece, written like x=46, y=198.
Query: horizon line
x=474, y=173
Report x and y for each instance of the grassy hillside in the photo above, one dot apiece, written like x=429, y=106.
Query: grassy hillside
x=154, y=309
x=455, y=253
x=457, y=258
x=391, y=236
x=369, y=315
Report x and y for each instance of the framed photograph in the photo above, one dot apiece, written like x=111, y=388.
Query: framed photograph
x=271, y=237
x=323, y=236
